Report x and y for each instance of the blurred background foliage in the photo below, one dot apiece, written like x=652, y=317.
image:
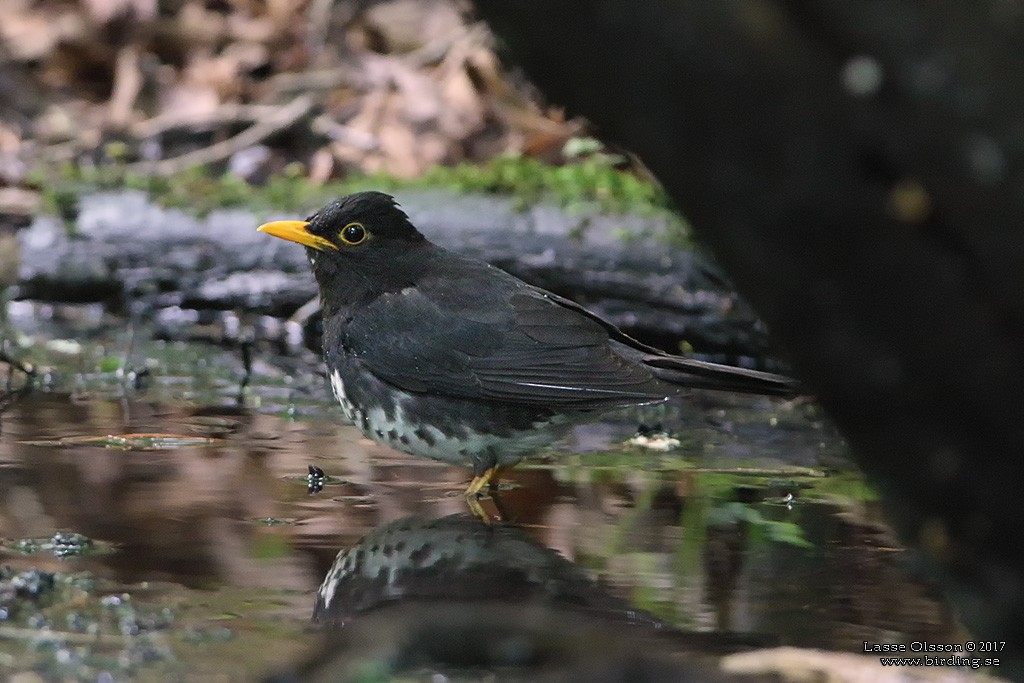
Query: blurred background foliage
x=282, y=103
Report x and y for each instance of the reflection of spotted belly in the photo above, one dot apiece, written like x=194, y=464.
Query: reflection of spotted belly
x=442, y=428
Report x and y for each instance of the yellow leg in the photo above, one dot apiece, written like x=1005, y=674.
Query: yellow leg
x=479, y=482
x=489, y=480
x=478, y=510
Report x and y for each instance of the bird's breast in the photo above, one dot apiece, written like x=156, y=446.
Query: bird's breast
x=453, y=430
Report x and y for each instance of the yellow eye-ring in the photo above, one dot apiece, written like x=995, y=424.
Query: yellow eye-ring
x=353, y=234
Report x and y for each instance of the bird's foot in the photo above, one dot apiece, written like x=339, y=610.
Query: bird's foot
x=489, y=480
x=473, y=502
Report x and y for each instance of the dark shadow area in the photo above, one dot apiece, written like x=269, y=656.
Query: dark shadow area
x=856, y=167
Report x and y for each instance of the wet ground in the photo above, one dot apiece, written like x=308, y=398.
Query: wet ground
x=202, y=546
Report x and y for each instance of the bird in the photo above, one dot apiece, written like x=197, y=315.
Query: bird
x=440, y=355
x=453, y=558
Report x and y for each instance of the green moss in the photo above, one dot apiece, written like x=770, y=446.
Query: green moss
x=593, y=179
x=590, y=179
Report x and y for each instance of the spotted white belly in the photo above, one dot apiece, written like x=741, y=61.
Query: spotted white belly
x=429, y=441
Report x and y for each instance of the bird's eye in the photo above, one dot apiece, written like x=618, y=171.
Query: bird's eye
x=353, y=234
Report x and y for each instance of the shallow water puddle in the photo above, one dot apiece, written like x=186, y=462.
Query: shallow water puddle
x=213, y=549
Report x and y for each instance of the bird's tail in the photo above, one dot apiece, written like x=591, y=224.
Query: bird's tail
x=698, y=374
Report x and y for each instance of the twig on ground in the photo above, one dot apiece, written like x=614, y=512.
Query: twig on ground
x=284, y=117
x=305, y=312
x=25, y=368
x=127, y=86
x=312, y=81
x=9, y=394
x=225, y=114
x=338, y=132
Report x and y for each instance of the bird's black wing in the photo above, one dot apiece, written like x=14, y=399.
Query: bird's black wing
x=505, y=340
x=690, y=372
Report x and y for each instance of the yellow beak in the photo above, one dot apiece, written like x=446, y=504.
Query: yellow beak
x=295, y=231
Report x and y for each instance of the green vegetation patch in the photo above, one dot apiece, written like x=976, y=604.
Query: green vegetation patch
x=590, y=178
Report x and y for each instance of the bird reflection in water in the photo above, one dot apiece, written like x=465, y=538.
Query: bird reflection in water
x=454, y=596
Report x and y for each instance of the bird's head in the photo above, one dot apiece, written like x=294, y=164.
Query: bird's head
x=359, y=246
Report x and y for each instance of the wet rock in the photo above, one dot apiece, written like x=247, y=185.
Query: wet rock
x=24, y=591
x=163, y=264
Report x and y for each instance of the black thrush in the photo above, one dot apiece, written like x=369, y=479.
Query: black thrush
x=444, y=356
